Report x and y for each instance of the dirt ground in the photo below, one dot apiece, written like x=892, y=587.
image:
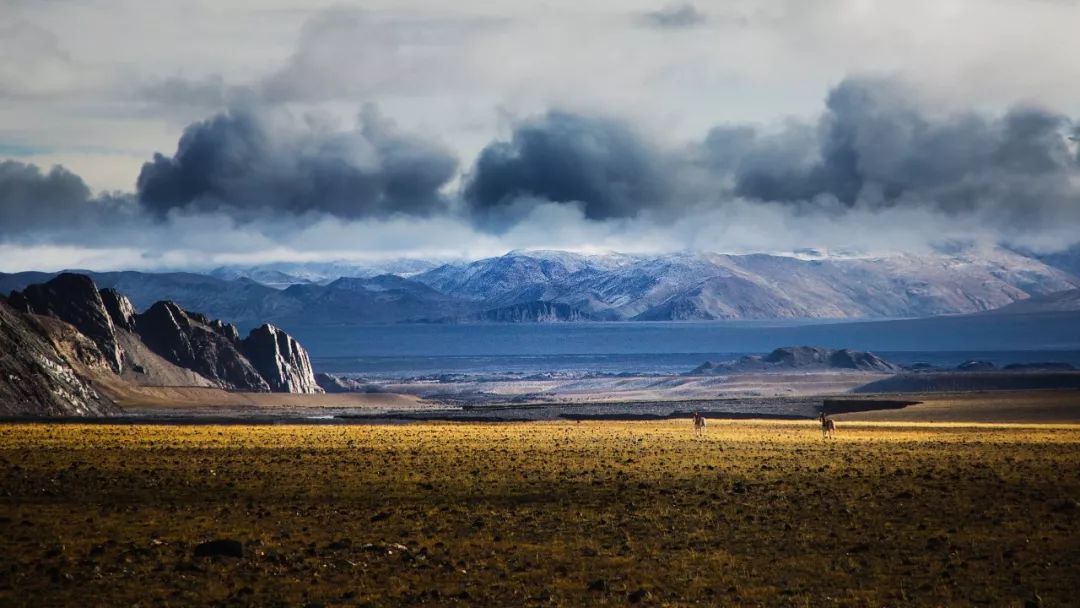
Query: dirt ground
x=559, y=513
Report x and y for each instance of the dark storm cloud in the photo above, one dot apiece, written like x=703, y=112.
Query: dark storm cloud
x=31, y=199
x=252, y=163
x=602, y=164
x=674, y=16
x=876, y=146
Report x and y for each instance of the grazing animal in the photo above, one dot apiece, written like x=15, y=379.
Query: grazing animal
x=699, y=424
x=828, y=427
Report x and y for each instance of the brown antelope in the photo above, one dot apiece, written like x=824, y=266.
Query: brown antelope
x=828, y=427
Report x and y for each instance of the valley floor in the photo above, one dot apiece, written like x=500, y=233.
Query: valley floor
x=552, y=513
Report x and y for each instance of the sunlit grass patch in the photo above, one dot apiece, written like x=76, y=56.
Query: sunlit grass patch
x=556, y=513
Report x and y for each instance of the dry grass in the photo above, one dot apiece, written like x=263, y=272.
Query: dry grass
x=545, y=513
x=1042, y=406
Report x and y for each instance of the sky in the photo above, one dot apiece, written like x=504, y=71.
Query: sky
x=195, y=133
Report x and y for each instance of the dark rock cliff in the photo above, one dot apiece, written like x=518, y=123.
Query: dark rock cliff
x=74, y=299
x=61, y=339
x=120, y=309
x=45, y=368
x=281, y=361
x=192, y=341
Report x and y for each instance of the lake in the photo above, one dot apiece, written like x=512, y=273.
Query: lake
x=405, y=350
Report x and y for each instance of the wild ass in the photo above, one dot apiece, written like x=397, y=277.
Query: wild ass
x=699, y=424
x=828, y=427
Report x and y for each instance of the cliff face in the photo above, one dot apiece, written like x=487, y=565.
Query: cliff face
x=74, y=299
x=119, y=308
x=280, y=360
x=268, y=360
x=534, y=312
x=45, y=368
x=58, y=339
x=192, y=341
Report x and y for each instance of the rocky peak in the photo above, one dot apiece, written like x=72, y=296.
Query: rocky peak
x=119, y=308
x=280, y=359
x=226, y=329
x=191, y=341
x=74, y=299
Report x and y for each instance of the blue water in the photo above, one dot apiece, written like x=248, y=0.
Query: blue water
x=672, y=347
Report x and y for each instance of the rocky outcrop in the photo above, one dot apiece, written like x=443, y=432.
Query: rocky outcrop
x=46, y=368
x=119, y=308
x=192, y=341
x=794, y=358
x=281, y=361
x=63, y=342
x=340, y=384
x=73, y=298
x=533, y=312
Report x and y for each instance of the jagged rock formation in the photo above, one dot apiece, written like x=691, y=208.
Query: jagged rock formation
x=533, y=312
x=45, y=368
x=280, y=359
x=119, y=308
x=192, y=341
x=61, y=339
x=801, y=358
x=74, y=299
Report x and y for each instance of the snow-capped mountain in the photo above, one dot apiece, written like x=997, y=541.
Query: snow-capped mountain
x=283, y=274
x=561, y=286
x=755, y=286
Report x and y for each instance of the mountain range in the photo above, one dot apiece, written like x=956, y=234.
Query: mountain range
x=528, y=286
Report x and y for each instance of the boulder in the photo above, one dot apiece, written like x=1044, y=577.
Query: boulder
x=223, y=547
x=280, y=360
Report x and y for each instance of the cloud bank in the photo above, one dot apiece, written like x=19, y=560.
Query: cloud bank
x=880, y=168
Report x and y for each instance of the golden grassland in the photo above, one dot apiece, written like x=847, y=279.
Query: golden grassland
x=541, y=514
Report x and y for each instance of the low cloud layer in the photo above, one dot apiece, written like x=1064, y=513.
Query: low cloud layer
x=674, y=16
x=252, y=162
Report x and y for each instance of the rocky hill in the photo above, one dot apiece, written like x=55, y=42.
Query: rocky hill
x=532, y=312
x=47, y=368
x=1060, y=301
x=65, y=339
x=800, y=358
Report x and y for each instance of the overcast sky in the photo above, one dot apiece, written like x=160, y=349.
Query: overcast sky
x=192, y=133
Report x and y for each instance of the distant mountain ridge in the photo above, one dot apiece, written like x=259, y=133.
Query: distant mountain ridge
x=800, y=358
x=544, y=286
